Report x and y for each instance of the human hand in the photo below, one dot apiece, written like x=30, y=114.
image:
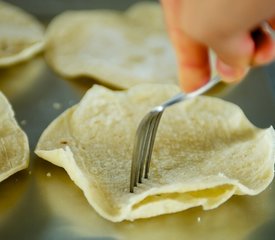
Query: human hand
x=231, y=28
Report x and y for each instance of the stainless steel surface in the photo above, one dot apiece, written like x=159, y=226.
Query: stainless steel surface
x=146, y=133
x=43, y=203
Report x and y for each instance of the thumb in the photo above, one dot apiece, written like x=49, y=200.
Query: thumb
x=193, y=62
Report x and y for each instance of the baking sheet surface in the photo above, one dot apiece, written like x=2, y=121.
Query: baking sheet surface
x=43, y=203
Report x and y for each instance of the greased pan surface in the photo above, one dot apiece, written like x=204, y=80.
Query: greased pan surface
x=43, y=203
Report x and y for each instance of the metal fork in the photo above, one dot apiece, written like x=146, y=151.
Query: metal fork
x=146, y=134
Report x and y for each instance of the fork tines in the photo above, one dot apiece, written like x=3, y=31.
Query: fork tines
x=143, y=147
x=146, y=133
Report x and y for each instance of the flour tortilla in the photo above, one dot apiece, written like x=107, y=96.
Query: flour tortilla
x=14, y=147
x=21, y=35
x=205, y=151
x=120, y=49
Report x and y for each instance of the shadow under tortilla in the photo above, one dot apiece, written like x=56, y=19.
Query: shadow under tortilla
x=22, y=211
x=235, y=219
x=12, y=191
x=15, y=80
x=84, y=83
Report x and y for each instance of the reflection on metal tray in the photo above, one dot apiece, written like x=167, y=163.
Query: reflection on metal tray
x=43, y=203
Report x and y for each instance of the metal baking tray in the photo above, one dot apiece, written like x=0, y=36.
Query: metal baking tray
x=43, y=203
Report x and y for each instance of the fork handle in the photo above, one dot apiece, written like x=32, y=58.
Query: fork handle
x=182, y=96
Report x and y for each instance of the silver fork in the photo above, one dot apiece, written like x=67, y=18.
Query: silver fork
x=146, y=134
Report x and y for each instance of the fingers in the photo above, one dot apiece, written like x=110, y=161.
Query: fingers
x=262, y=52
x=195, y=26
